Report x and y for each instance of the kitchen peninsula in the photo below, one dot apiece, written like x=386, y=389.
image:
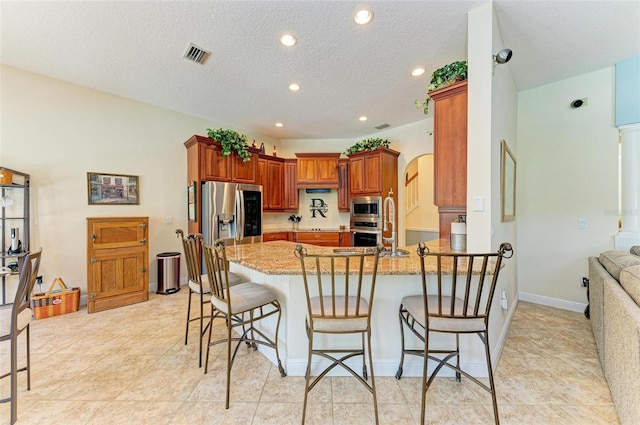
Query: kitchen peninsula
x=275, y=265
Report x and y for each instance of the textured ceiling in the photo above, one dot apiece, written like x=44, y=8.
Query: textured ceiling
x=134, y=49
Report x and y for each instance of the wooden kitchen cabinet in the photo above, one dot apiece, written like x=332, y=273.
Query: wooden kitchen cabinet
x=271, y=177
x=318, y=170
x=206, y=162
x=343, y=188
x=215, y=166
x=373, y=173
x=291, y=185
x=450, y=153
x=319, y=238
x=117, y=262
x=345, y=239
x=277, y=236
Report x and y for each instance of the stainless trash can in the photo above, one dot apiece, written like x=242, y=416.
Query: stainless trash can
x=168, y=272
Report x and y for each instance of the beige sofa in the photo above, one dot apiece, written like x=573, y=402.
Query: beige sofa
x=614, y=298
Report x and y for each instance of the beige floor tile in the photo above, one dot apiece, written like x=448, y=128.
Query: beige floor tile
x=353, y=414
x=349, y=390
x=535, y=414
x=159, y=384
x=130, y=365
x=439, y=414
x=278, y=413
x=49, y=412
x=213, y=413
x=288, y=388
x=133, y=412
x=319, y=414
x=594, y=415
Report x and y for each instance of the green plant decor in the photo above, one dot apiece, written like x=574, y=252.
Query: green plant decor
x=367, y=145
x=443, y=77
x=231, y=140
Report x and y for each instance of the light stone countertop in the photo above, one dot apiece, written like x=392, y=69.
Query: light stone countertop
x=278, y=258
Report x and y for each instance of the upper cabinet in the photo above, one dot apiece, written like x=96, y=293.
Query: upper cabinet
x=343, y=189
x=271, y=177
x=373, y=173
x=291, y=184
x=450, y=153
x=318, y=170
x=450, y=145
x=205, y=162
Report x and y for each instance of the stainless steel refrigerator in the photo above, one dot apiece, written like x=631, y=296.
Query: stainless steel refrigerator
x=231, y=212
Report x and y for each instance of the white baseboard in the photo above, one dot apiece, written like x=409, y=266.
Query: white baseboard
x=552, y=302
x=502, y=339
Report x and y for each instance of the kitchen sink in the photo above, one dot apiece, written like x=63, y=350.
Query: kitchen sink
x=347, y=251
x=400, y=253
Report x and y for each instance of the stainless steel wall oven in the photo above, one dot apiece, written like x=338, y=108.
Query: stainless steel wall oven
x=366, y=221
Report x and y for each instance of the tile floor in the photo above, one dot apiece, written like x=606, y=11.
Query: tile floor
x=130, y=366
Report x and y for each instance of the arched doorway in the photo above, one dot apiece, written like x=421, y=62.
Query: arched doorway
x=421, y=220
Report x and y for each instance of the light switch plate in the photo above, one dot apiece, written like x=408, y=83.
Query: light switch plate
x=582, y=223
x=478, y=203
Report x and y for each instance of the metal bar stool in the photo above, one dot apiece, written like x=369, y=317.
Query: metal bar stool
x=15, y=318
x=199, y=284
x=338, y=303
x=241, y=306
x=454, y=306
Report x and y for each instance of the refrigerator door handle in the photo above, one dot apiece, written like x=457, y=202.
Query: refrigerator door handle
x=240, y=215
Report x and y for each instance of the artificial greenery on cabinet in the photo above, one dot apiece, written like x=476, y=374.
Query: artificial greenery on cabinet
x=443, y=77
x=367, y=145
x=231, y=141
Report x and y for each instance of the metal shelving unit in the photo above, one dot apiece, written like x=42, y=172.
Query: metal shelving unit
x=14, y=213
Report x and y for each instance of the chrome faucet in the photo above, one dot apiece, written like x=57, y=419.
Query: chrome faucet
x=389, y=209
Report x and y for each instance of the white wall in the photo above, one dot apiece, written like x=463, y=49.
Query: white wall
x=425, y=215
x=479, y=122
x=57, y=132
x=567, y=170
x=491, y=117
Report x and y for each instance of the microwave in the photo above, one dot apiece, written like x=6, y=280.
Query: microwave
x=367, y=208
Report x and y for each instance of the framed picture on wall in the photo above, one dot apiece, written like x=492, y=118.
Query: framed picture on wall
x=507, y=184
x=112, y=189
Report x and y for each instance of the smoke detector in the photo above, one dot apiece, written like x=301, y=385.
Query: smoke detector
x=196, y=54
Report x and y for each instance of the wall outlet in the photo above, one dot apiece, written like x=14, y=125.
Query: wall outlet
x=584, y=281
x=503, y=300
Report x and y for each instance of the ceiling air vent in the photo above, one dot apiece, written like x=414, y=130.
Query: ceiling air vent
x=381, y=126
x=196, y=54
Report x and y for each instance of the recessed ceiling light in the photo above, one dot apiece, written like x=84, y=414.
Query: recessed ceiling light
x=363, y=17
x=417, y=72
x=288, y=40
x=362, y=118
x=279, y=124
x=294, y=87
